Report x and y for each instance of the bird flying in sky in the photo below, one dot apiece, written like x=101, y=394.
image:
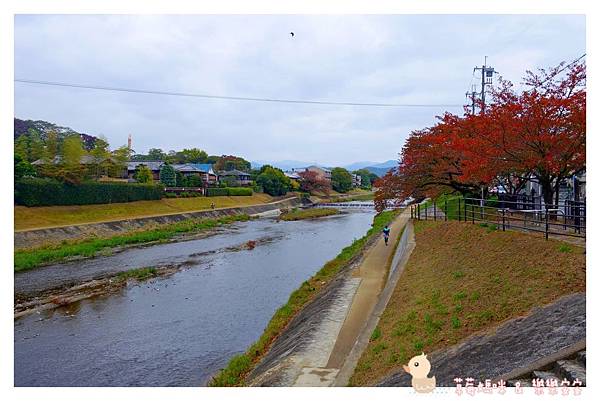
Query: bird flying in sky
x=292, y=33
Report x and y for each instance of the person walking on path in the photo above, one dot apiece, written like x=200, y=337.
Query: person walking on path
x=386, y=234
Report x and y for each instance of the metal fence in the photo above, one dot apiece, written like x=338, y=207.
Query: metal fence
x=568, y=218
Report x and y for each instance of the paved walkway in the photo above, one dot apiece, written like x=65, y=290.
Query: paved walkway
x=372, y=273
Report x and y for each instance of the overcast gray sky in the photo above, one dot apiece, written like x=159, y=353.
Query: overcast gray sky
x=426, y=59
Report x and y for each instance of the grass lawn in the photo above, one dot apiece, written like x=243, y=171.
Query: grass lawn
x=301, y=214
x=49, y=216
x=461, y=279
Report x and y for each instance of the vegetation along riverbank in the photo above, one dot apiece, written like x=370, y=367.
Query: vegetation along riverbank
x=31, y=258
x=462, y=279
x=239, y=366
x=27, y=218
x=301, y=214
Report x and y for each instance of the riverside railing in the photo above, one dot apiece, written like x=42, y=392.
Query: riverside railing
x=568, y=218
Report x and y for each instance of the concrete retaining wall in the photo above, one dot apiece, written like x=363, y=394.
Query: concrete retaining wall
x=38, y=237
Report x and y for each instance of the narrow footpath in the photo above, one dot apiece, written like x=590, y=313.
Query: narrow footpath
x=317, y=344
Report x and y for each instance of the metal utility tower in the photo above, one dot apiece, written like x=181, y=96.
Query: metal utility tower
x=487, y=73
x=472, y=95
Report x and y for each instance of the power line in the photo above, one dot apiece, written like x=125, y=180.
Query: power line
x=253, y=99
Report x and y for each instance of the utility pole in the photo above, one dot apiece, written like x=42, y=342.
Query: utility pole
x=487, y=73
x=472, y=95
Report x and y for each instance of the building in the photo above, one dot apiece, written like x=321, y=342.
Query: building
x=235, y=177
x=94, y=166
x=322, y=172
x=204, y=171
x=292, y=175
x=356, y=180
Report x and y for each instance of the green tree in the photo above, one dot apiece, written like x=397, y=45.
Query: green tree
x=227, y=163
x=156, y=154
x=167, y=175
x=30, y=146
x=143, y=174
x=194, y=155
x=100, y=155
x=367, y=178
x=273, y=181
x=72, y=152
x=22, y=168
x=120, y=157
x=341, y=179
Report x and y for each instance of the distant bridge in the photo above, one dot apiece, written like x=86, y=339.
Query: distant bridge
x=347, y=204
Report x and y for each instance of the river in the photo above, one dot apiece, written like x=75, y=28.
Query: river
x=176, y=330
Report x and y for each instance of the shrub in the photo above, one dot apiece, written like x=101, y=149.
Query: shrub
x=48, y=192
x=217, y=191
x=239, y=191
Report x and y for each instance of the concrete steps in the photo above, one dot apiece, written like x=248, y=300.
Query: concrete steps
x=571, y=368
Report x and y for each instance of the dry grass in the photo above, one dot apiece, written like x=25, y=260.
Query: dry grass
x=462, y=279
x=50, y=216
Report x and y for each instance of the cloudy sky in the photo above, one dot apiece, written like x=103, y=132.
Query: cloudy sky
x=411, y=59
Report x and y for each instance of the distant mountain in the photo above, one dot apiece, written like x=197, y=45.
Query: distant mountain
x=358, y=165
x=380, y=171
x=282, y=164
x=22, y=127
x=377, y=168
x=386, y=164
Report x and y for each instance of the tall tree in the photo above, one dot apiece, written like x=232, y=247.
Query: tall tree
x=142, y=174
x=72, y=153
x=100, y=154
x=312, y=182
x=273, y=181
x=341, y=179
x=167, y=175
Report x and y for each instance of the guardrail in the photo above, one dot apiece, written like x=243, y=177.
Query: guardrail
x=566, y=219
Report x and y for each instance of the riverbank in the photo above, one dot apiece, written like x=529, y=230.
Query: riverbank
x=32, y=258
x=178, y=329
x=302, y=214
x=54, y=236
x=30, y=218
x=321, y=283
x=464, y=279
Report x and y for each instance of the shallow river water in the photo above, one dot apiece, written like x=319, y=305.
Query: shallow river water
x=181, y=329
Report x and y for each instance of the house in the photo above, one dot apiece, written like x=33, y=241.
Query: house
x=204, y=171
x=292, y=175
x=237, y=177
x=93, y=165
x=322, y=172
x=356, y=180
x=154, y=166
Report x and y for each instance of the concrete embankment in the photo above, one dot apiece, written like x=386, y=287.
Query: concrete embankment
x=47, y=236
x=313, y=349
x=511, y=349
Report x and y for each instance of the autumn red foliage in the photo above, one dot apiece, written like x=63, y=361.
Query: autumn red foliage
x=538, y=133
x=312, y=182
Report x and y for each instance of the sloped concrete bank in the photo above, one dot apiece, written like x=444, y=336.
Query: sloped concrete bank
x=515, y=347
x=45, y=236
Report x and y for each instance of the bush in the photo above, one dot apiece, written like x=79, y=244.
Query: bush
x=48, y=192
x=217, y=191
x=239, y=191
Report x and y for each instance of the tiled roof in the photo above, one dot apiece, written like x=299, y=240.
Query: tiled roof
x=234, y=173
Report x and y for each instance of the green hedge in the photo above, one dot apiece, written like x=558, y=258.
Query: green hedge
x=48, y=192
x=217, y=191
x=237, y=191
